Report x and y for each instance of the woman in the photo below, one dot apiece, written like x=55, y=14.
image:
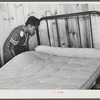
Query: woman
x=17, y=41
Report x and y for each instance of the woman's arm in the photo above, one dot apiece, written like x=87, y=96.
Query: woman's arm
x=26, y=47
x=12, y=49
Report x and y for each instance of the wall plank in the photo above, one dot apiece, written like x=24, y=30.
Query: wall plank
x=62, y=27
x=43, y=33
x=6, y=20
x=20, y=14
x=6, y=24
x=26, y=12
x=12, y=16
x=53, y=8
x=2, y=36
x=54, y=33
x=33, y=10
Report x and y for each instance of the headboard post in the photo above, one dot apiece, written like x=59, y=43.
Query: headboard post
x=58, y=33
x=92, y=45
x=67, y=33
x=38, y=38
x=48, y=32
x=79, y=34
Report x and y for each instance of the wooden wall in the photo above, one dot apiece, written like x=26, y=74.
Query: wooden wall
x=12, y=15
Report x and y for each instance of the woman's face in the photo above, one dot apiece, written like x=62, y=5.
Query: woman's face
x=31, y=30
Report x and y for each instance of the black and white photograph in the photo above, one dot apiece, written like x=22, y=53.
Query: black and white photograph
x=49, y=46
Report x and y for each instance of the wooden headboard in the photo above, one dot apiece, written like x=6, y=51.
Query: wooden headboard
x=73, y=26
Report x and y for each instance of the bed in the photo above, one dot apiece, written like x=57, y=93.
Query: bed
x=44, y=69
x=49, y=67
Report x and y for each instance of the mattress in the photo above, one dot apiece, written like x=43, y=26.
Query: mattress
x=39, y=70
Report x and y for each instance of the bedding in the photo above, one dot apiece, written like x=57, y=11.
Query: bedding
x=40, y=70
x=70, y=52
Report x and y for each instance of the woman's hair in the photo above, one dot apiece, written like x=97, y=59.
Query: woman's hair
x=32, y=21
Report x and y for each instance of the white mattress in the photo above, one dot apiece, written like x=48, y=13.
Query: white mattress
x=35, y=70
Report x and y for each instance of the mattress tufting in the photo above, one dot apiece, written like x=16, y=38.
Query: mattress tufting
x=35, y=70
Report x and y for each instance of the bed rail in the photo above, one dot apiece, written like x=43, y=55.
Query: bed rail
x=70, y=15
x=67, y=17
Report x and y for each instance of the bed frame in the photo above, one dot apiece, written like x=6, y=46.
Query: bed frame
x=66, y=17
x=23, y=62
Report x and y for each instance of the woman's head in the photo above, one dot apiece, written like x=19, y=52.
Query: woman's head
x=32, y=23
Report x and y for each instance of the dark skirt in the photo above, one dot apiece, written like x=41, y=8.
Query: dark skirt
x=7, y=55
x=19, y=49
